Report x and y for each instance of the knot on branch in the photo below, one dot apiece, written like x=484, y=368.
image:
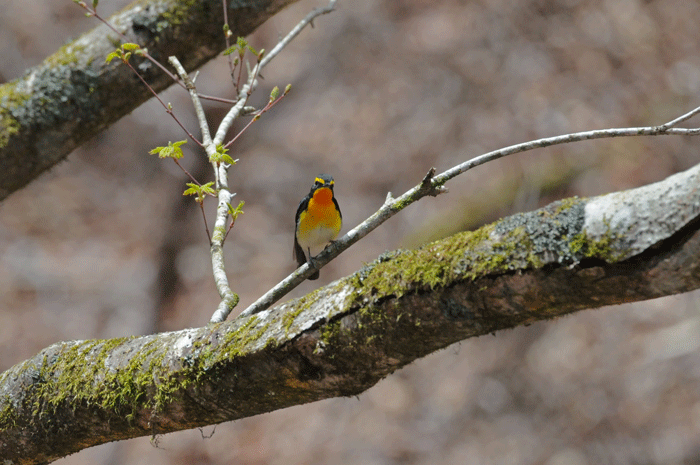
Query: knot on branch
x=429, y=186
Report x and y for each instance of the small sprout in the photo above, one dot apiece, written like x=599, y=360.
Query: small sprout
x=94, y=4
x=200, y=191
x=221, y=156
x=234, y=212
x=172, y=150
x=113, y=55
x=274, y=94
x=124, y=52
x=287, y=89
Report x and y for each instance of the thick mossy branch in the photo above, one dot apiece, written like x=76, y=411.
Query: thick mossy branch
x=343, y=338
x=74, y=94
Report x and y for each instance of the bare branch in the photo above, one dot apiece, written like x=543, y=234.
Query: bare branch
x=434, y=186
x=296, y=30
x=680, y=119
x=229, y=299
x=196, y=103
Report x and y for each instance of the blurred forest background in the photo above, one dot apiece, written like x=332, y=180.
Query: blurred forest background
x=104, y=245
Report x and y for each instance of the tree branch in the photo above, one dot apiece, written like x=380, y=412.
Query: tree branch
x=434, y=185
x=340, y=340
x=74, y=94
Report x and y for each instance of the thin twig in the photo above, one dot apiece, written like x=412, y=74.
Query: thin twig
x=235, y=111
x=168, y=108
x=192, y=178
x=206, y=226
x=434, y=185
x=680, y=119
x=296, y=30
x=212, y=98
x=196, y=102
x=227, y=35
x=255, y=118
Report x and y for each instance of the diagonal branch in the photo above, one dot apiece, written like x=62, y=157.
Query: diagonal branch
x=434, y=185
x=342, y=339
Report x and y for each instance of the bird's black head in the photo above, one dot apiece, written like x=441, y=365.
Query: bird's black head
x=323, y=180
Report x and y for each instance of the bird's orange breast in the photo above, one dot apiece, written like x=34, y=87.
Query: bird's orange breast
x=320, y=222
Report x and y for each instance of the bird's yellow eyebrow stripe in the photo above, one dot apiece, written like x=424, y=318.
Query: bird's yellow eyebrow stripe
x=322, y=181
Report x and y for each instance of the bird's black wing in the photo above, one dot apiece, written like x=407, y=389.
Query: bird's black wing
x=298, y=251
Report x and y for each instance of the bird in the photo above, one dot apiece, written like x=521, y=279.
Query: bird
x=317, y=222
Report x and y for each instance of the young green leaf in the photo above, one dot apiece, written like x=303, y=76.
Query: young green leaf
x=221, y=156
x=113, y=55
x=234, y=212
x=241, y=44
x=207, y=189
x=200, y=191
x=172, y=150
x=252, y=50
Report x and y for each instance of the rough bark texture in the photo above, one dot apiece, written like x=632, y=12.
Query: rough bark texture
x=74, y=94
x=342, y=339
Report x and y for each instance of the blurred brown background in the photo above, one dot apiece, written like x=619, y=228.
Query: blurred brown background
x=104, y=245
